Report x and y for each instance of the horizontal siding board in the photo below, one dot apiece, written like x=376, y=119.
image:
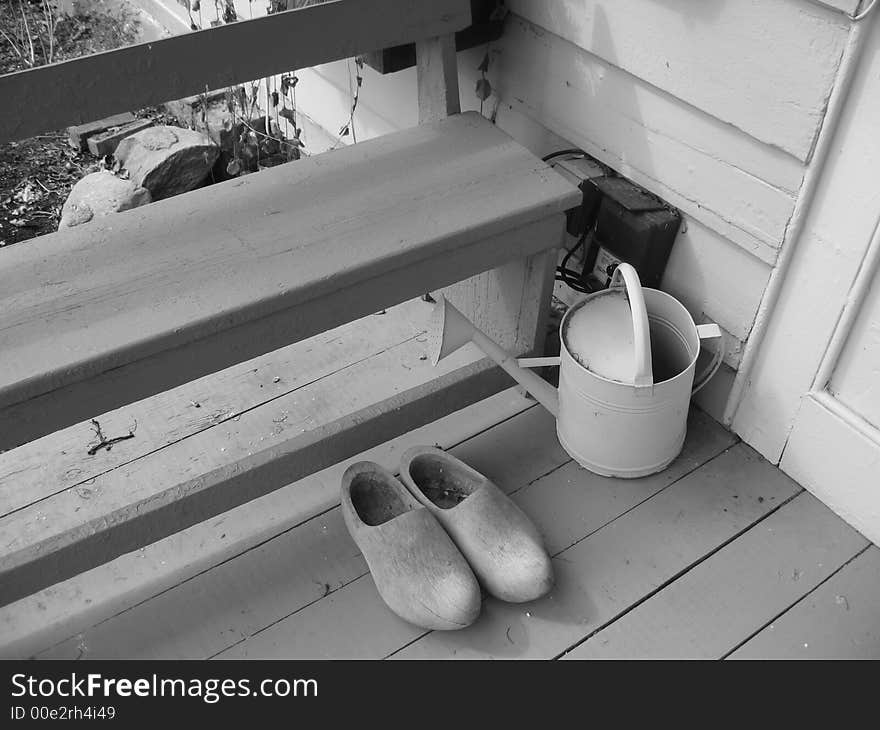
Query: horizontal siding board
x=152, y=73
x=847, y=6
x=715, y=279
x=764, y=67
x=707, y=169
x=739, y=187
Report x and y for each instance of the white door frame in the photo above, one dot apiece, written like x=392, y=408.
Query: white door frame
x=786, y=411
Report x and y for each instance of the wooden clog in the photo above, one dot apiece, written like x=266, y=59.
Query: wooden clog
x=500, y=542
x=418, y=571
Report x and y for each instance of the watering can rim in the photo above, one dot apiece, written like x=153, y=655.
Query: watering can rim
x=625, y=281
x=704, y=331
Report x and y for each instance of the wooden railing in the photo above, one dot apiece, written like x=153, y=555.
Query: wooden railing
x=88, y=88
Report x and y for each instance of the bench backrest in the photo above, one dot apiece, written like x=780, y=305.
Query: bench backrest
x=95, y=86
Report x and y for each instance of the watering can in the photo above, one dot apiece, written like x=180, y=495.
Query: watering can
x=627, y=373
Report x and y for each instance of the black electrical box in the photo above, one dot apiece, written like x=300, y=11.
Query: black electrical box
x=632, y=226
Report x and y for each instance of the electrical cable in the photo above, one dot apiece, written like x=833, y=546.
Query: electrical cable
x=562, y=153
x=570, y=277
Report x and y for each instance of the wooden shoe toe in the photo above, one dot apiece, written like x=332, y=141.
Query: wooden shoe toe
x=418, y=571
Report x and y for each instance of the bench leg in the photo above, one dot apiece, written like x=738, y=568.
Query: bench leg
x=511, y=304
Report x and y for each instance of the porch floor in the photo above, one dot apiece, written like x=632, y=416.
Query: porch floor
x=719, y=556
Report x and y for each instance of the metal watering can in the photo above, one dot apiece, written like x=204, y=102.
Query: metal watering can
x=627, y=368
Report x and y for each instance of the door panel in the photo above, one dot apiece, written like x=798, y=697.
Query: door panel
x=856, y=379
x=834, y=447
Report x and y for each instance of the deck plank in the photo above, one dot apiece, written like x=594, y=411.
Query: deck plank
x=75, y=606
x=839, y=620
x=309, y=637
x=617, y=566
x=591, y=502
x=717, y=604
x=241, y=459
x=246, y=592
x=61, y=460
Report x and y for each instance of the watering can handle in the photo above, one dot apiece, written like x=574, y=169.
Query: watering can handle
x=644, y=375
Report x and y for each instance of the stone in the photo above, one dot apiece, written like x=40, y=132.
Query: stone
x=210, y=114
x=167, y=160
x=100, y=194
x=241, y=150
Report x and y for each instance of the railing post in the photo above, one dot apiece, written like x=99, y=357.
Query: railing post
x=437, y=72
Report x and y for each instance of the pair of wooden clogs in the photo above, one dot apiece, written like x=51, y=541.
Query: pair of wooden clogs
x=430, y=543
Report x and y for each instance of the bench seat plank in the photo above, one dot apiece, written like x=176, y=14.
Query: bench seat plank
x=107, y=313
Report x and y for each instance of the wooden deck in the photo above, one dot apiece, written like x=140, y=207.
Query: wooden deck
x=721, y=555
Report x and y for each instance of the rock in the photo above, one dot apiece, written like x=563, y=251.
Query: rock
x=100, y=194
x=241, y=150
x=167, y=160
x=207, y=113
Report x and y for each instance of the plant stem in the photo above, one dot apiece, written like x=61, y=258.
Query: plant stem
x=27, y=29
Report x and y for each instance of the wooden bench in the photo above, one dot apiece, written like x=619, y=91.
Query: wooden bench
x=98, y=317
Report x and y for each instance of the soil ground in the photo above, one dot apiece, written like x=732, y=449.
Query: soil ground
x=37, y=174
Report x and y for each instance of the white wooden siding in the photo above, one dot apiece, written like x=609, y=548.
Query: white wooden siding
x=765, y=67
x=847, y=6
x=722, y=177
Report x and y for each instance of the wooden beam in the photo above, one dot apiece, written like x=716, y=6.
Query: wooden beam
x=91, y=87
x=437, y=72
x=118, y=310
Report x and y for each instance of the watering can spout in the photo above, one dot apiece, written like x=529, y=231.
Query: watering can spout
x=450, y=330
